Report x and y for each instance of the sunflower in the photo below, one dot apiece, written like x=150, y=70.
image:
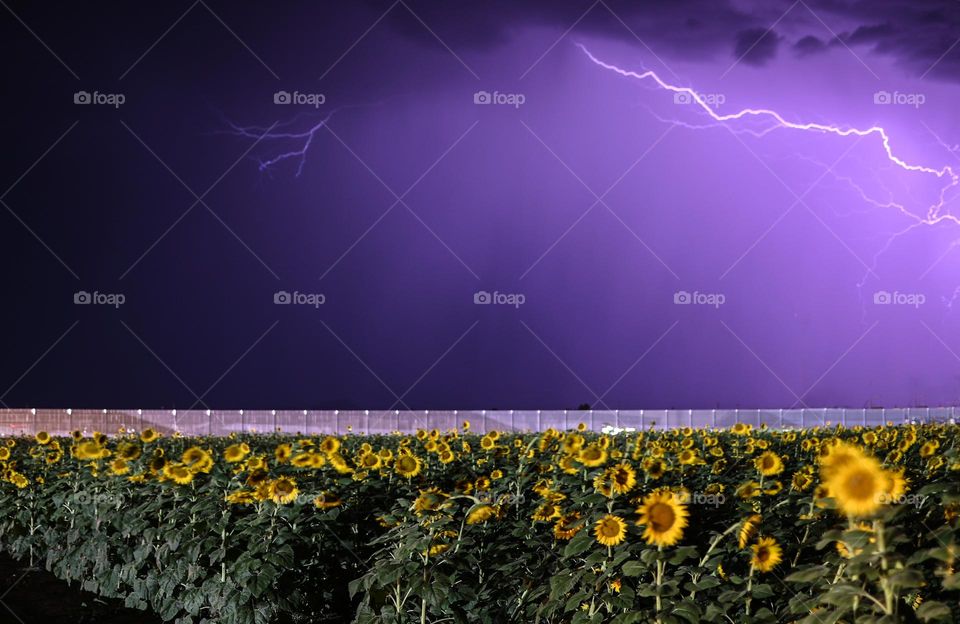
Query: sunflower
x=567, y=526
x=369, y=461
x=42, y=437
x=655, y=468
x=602, y=484
x=568, y=464
x=665, y=518
x=119, y=467
x=429, y=501
x=339, y=463
x=859, y=485
x=801, y=481
x=257, y=462
x=330, y=444
x=592, y=456
x=129, y=451
x=283, y=490
x=327, y=500
x=4, y=453
x=773, y=488
x=610, y=530
x=197, y=459
x=480, y=514
x=234, y=453
x=408, y=466
x=546, y=512
x=622, y=478
x=240, y=497
x=178, y=473
x=148, y=435
x=257, y=477
x=282, y=453
x=750, y=489
x=769, y=464
x=837, y=455
x=748, y=529
x=690, y=457
x=89, y=450
x=766, y=554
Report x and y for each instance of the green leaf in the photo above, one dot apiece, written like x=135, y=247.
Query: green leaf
x=633, y=568
x=933, y=610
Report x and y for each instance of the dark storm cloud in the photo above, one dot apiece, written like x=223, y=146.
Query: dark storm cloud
x=914, y=33
x=693, y=29
x=809, y=45
x=920, y=35
x=756, y=46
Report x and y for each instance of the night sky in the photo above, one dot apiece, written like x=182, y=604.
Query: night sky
x=439, y=205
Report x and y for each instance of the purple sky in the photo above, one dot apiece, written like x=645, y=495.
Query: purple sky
x=599, y=201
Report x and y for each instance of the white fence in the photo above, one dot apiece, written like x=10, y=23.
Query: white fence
x=221, y=422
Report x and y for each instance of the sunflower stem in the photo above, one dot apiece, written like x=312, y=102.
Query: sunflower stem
x=890, y=607
x=660, y=565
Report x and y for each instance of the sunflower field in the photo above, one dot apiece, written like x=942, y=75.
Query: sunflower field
x=813, y=526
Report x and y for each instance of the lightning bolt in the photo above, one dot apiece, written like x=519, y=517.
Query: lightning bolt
x=946, y=171
x=304, y=139
x=934, y=214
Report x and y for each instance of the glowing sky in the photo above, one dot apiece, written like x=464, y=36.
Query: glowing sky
x=593, y=203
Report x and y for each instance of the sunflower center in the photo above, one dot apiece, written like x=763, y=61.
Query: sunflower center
x=860, y=485
x=662, y=517
x=763, y=554
x=610, y=528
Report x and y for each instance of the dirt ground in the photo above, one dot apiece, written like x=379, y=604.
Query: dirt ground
x=37, y=596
